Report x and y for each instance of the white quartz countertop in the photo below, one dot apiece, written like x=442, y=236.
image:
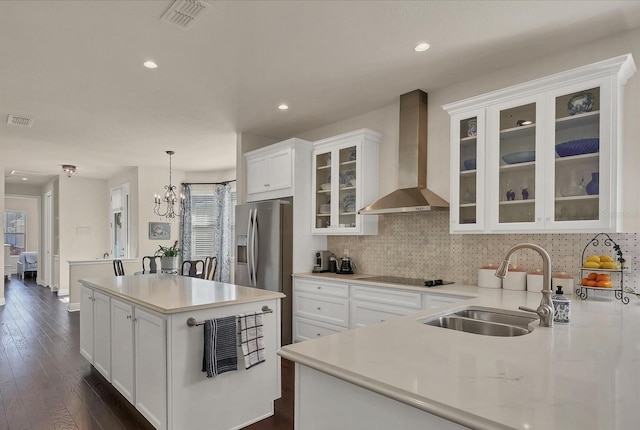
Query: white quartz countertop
x=98, y=261
x=169, y=294
x=583, y=375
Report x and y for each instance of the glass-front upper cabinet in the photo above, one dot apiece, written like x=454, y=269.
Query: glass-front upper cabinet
x=467, y=186
x=514, y=164
x=549, y=154
x=578, y=166
x=345, y=178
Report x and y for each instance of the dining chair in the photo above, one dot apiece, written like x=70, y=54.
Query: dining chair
x=210, y=267
x=150, y=264
x=118, y=268
x=190, y=268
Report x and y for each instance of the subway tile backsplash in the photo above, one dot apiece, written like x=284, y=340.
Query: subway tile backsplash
x=420, y=246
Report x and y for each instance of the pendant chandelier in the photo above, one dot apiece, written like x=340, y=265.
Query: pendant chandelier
x=174, y=205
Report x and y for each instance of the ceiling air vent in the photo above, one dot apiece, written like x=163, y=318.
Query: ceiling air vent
x=19, y=120
x=185, y=13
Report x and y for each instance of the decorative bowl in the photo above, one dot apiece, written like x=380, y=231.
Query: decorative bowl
x=325, y=208
x=325, y=187
x=469, y=164
x=519, y=157
x=580, y=103
x=578, y=147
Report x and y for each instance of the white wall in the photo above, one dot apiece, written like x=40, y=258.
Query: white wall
x=83, y=222
x=211, y=176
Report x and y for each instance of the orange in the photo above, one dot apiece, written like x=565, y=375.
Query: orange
x=604, y=284
x=603, y=277
x=593, y=276
x=584, y=281
x=591, y=283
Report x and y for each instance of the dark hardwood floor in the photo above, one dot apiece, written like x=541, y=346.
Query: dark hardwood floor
x=46, y=384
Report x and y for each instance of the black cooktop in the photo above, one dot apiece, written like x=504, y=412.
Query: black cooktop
x=408, y=281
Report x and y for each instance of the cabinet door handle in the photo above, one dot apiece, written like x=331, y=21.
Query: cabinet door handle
x=319, y=288
x=135, y=319
x=548, y=218
x=539, y=218
x=318, y=308
x=128, y=317
x=318, y=334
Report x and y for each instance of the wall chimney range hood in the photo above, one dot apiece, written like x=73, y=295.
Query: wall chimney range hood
x=413, y=194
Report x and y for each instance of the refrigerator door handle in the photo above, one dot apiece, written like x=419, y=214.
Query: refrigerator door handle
x=249, y=247
x=256, y=247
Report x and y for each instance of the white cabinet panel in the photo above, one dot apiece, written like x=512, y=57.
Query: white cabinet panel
x=322, y=287
x=391, y=296
x=102, y=334
x=151, y=367
x=86, y=323
x=122, y=346
x=364, y=313
x=270, y=171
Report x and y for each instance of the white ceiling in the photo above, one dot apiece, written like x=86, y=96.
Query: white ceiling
x=75, y=67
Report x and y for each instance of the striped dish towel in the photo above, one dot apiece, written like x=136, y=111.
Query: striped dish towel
x=251, y=338
x=220, y=346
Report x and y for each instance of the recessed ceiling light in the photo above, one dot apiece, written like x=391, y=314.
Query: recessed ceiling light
x=421, y=47
x=150, y=64
x=25, y=179
x=283, y=107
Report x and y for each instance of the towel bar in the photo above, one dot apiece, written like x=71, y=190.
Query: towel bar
x=192, y=322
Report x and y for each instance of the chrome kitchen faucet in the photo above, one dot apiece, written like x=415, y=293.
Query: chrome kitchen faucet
x=545, y=309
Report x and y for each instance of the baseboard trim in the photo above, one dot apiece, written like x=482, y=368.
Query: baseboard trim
x=73, y=307
x=63, y=292
x=2, y=302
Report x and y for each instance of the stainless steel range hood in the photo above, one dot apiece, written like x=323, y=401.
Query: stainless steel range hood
x=413, y=195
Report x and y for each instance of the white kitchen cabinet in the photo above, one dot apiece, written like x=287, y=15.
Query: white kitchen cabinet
x=138, y=342
x=271, y=171
x=322, y=306
x=95, y=329
x=344, y=180
x=537, y=158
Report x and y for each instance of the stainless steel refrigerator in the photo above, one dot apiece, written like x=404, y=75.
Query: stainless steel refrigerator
x=264, y=252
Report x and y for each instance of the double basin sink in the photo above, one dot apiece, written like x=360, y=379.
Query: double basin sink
x=484, y=321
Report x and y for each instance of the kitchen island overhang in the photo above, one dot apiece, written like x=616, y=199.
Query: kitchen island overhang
x=155, y=359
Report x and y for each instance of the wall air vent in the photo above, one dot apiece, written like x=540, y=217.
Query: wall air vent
x=185, y=13
x=19, y=120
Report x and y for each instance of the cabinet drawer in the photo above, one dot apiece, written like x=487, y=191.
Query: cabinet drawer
x=437, y=300
x=322, y=287
x=307, y=329
x=328, y=309
x=408, y=299
x=365, y=313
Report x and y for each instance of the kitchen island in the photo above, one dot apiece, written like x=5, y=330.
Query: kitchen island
x=403, y=374
x=133, y=330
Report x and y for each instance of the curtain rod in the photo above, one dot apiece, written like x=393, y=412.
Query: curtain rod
x=209, y=183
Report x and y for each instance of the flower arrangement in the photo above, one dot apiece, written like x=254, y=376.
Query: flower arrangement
x=169, y=251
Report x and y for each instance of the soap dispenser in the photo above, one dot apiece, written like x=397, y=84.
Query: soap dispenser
x=561, y=307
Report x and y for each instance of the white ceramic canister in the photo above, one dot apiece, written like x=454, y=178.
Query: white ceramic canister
x=564, y=280
x=516, y=279
x=534, y=281
x=487, y=277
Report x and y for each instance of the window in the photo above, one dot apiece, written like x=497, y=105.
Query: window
x=203, y=218
x=15, y=231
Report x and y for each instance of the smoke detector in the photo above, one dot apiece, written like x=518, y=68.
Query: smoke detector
x=18, y=120
x=185, y=13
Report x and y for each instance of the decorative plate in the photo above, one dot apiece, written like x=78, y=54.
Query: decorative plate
x=352, y=155
x=349, y=176
x=341, y=179
x=349, y=203
x=519, y=157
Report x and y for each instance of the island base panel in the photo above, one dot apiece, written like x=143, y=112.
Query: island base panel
x=325, y=402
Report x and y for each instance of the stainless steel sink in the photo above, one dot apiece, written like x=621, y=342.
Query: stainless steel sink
x=484, y=321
